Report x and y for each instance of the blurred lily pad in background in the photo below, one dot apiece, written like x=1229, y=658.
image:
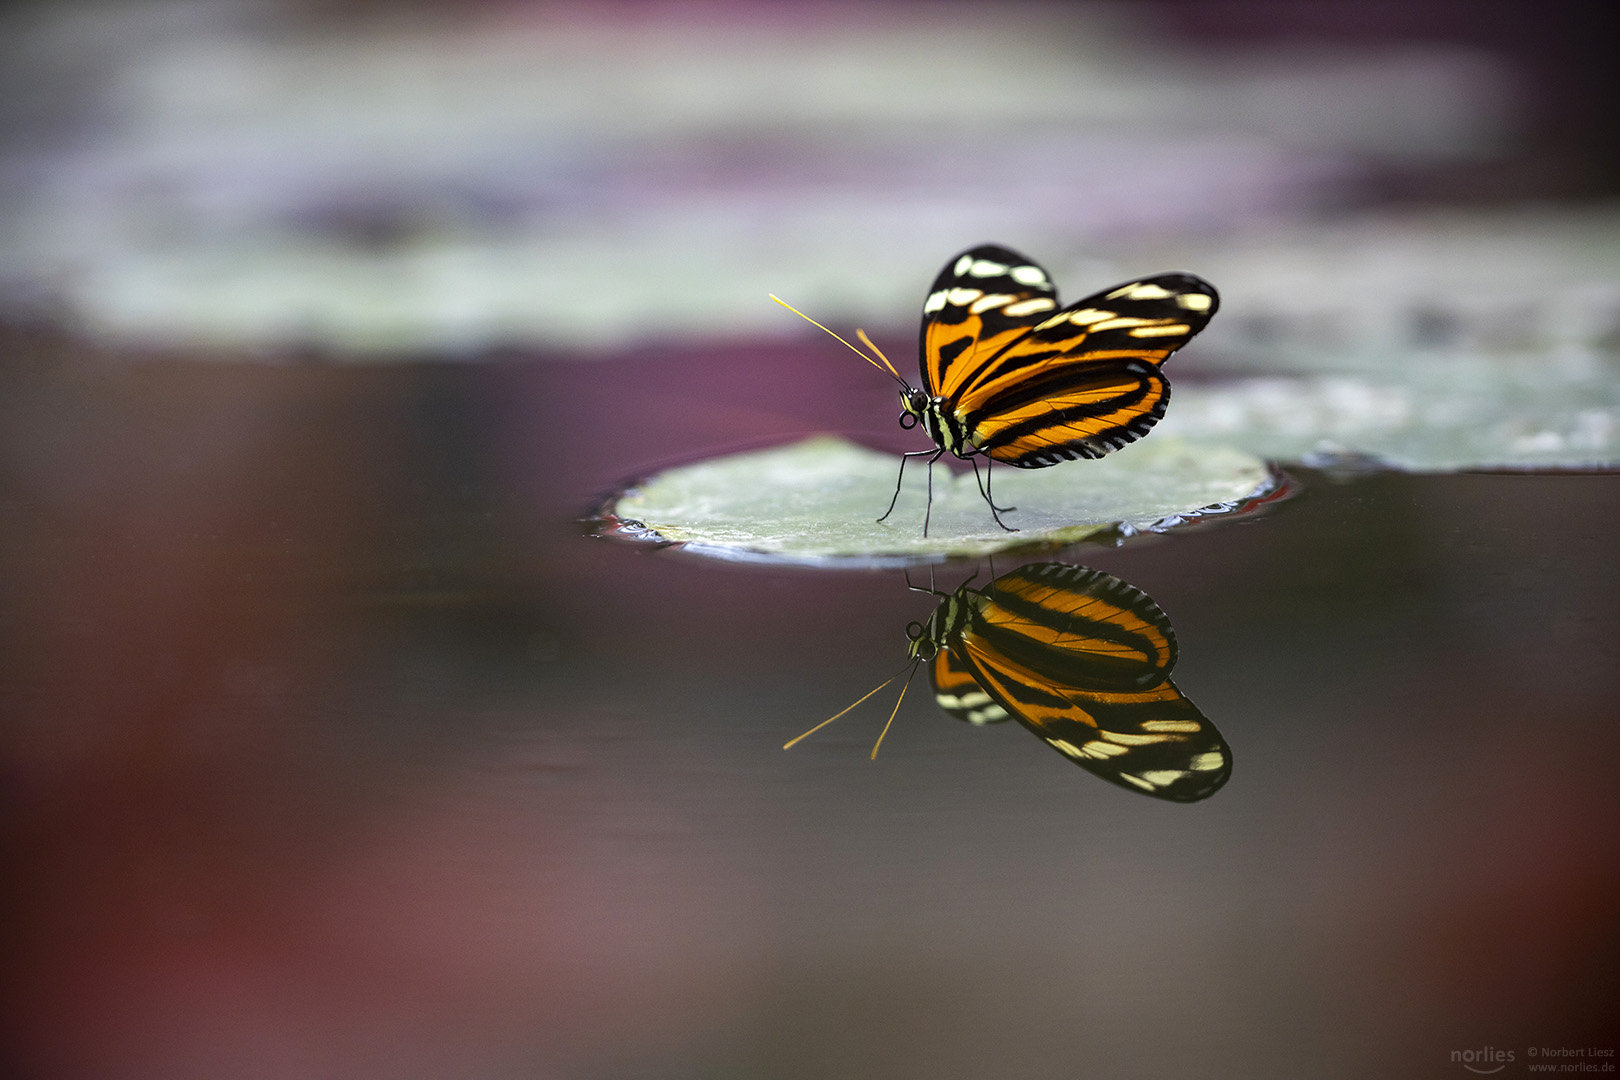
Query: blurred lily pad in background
x=241, y=179
x=1433, y=342
x=241, y=174
x=816, y=501
x=1437, y=415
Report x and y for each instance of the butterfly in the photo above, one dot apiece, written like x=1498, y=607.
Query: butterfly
x=1082, y=660
x=1010, y=376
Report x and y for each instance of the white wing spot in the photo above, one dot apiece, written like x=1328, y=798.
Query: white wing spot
x=1161, y=331
x=985, y=303
x=1030, y=307
x=986, y=268
x=1209, y=762
x=1087, y=316
x=936, y=302
x=1170, y=725
x=1163, y=777
x=1029, y=275
x=1120, y=324
x=962, y=265
x=1123, y=290
x=1151, y=292
x=1194, y=301
x=1126, y=739
x=1143, y=784
x=990, y=714
x=963, y=296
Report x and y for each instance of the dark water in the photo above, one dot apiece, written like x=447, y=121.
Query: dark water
x=335, y=748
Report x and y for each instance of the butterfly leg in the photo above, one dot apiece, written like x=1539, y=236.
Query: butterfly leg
x=898, y=479
x=928, y=511
x=984, y=489
x=931, y=590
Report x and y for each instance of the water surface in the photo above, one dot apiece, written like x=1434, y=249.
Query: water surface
x=337, y=749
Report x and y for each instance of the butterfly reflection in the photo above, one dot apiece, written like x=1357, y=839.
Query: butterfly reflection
x=1081, y=659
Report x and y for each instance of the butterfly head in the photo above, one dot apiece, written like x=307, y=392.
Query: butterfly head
x=924, y=645
x=949, y=618
x=914, y=406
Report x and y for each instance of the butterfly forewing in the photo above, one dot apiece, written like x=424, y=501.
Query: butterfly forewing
x=1083, y=660
x=983, y=301
x=1033, y=384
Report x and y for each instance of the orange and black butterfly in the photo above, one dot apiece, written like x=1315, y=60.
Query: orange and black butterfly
x=1081, y=659
x=1010, y=376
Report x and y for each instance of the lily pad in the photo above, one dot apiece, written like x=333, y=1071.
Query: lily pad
x=1478, y=413
x=817, y=501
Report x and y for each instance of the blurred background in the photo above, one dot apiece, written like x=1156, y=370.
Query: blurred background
x=396, y=178
x=333, y=747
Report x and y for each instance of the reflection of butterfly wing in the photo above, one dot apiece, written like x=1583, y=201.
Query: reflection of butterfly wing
x=959, y=693
x=1083, y=660
x=1033, y=385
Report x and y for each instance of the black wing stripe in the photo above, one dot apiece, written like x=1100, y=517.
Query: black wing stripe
x=1117, y=658
x=1053, y=445
x=1041, y=388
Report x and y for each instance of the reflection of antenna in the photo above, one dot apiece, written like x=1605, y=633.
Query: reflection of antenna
x=885, y=367
x=904, y=687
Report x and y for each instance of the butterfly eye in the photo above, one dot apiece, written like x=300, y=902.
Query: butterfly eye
x=908, y=420
x=914, y=630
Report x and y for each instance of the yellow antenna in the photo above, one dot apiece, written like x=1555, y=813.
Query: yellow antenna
x=870, y=345
x=862, y=335
x=896, y=711
x=791, y=743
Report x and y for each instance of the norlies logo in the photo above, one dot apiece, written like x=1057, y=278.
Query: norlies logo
x=1484, y=1061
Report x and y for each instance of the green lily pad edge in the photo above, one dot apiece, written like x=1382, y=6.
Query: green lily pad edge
x=815, y=502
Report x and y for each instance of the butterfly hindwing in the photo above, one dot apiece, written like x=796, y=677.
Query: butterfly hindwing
x=1085, y=380
x=1102, y=633
x=959, y=694
x=1033, y=384
x=1083, y=660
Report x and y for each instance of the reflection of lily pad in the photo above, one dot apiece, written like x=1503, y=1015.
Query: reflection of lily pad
x=816, y=500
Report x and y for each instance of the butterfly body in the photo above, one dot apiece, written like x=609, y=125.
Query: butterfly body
x=938, y=420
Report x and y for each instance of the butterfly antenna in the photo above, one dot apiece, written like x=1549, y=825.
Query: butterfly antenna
x=904, y=687
x=870, y=344
x=793, y=742
x=885, y=367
